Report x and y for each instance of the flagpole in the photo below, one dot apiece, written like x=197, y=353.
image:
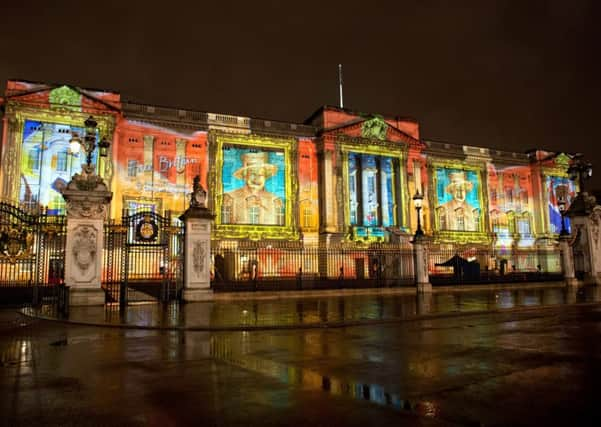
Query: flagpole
x=340, y=84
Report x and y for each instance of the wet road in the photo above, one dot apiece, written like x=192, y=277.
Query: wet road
x=319, y=311
x=535, y=366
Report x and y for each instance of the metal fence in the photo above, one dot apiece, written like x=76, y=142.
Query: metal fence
x=143, y=258
x=32, y=255
x=481, y=266
x=268, y=268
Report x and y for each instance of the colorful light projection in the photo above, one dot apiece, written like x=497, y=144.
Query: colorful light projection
x=254, y=188
x=558, y=187
x=308, y=187
x=155, y=167
x=458, y=199
x=371, y=190
x=510, y=205
x=47, y=164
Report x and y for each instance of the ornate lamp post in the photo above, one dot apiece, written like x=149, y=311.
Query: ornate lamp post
x=420, y=251
x=89, y=143
x=418, y=198
x=87, y=198
x=561, y=203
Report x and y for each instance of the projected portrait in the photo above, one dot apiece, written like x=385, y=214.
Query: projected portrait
x=558, y=188
x=254, y=189
x=458, y=199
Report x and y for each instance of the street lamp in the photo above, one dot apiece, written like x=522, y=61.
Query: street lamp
x=89, y=143
x=418, y=198
x=561, y=204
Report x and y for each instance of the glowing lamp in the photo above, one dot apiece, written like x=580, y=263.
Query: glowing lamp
x=103, y=147
x=418, y=198
x=75, y=144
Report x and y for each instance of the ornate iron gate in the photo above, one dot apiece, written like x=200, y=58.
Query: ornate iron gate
x=143, y=259
x=32, y=256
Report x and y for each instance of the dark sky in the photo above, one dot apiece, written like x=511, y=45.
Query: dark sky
x=504, y=74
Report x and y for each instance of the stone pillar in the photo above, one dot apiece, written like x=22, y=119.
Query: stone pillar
x=585, y=218
x=87, y=199
x=567, y=261
x=421, y=265
x=197, y=247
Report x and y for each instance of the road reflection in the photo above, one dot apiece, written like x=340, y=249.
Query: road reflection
x=323, y=311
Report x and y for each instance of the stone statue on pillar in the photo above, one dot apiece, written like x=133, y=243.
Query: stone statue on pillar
x=197, y=246
x=585, y=216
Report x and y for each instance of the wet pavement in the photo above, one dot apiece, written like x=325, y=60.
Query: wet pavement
x=540, y=365
x=257, y=312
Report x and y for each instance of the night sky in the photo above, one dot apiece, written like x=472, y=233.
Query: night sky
x=504, y=74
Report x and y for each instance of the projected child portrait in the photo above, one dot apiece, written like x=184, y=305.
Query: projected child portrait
x=254, y=186
x=458, y=204
x=559, y=189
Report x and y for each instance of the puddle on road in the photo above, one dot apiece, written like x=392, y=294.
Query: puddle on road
x=222, y=350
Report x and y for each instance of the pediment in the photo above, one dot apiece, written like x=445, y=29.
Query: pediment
x=372, y=128
x=64, y=97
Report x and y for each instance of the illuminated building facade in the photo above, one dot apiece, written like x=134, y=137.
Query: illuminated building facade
x=342, y=177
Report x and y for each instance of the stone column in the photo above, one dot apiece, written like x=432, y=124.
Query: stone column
x=197, y=247
x=567, y=261
x=421, y=265
x=87, y=199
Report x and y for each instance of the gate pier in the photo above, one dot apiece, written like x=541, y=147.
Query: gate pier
x=197, y=253
x=87, y=199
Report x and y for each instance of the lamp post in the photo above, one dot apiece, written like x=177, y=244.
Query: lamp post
x=88, y=143
x=418, y=198
x=561, y=203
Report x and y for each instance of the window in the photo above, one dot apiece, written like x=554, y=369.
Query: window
x=33, y=159
x=254, y=214
x=226, y=213
x=307, y=215
x=61, y=161
x=371, y=190
x=280, y=215
x=132, y=168
x=460, y=219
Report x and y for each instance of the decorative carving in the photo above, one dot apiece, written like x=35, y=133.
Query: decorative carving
x=84, y=247
x=199, y=253
x=65, y=97
x=147, y=230
x=15, y=244
x=87, y=180
x=85, y=208
x=86, y=195
x=375, y=128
